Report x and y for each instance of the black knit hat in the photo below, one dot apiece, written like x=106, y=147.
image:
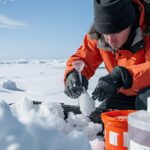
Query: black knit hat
x=112, y=16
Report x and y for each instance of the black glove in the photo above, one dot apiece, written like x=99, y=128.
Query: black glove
x=73, y=86
x=108, y=85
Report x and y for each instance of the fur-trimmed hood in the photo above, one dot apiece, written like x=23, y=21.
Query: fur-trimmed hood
x=146, y=3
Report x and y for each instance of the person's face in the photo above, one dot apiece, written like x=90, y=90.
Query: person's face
x=116, y=40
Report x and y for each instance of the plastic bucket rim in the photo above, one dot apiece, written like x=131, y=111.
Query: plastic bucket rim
x=109, y=116
x=111, y=120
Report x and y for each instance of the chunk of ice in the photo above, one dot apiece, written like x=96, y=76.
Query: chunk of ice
x=87, y=104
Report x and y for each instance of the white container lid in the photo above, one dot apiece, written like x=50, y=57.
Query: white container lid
x=140, y=120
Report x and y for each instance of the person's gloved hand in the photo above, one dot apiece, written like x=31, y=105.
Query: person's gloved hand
x=108, y=85
x=73, y=87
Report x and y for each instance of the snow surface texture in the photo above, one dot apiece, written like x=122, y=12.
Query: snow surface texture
x=26, y=126
x=32, y=132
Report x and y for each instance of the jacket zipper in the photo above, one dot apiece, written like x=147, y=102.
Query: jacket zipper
x=115, y=60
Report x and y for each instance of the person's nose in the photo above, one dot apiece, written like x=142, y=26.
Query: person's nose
x=111, y=39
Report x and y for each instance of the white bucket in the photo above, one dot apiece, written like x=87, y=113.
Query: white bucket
x=139, y=130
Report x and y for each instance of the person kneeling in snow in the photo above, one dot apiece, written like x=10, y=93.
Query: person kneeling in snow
x=119, y=38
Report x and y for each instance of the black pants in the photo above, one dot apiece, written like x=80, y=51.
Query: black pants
x=121, y=101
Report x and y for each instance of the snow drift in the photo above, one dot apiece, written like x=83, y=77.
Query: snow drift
x=26, y=126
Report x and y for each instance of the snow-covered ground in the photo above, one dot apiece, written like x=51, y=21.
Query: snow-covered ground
x=26, y=126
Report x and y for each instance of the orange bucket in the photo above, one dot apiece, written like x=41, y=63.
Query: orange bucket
x=116, y=128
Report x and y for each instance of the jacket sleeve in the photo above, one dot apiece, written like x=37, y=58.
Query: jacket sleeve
x=141, y=72
x=89, y=53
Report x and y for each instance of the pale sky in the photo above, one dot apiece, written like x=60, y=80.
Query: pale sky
x=43, y=28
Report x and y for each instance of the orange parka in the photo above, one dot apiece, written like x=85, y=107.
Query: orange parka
x=138, y=64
